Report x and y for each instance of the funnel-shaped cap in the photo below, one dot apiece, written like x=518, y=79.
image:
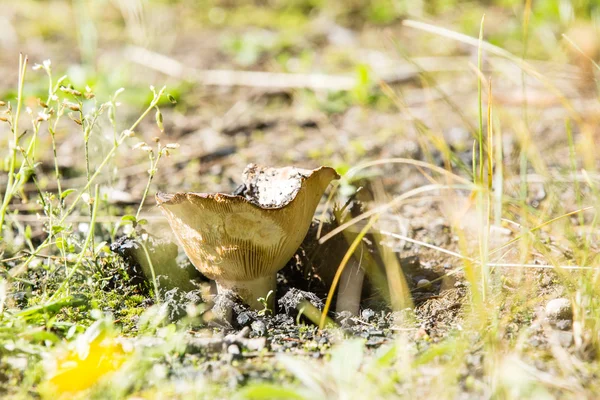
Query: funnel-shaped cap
x=246, y=237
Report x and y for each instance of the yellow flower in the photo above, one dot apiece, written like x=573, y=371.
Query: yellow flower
x=83, y=366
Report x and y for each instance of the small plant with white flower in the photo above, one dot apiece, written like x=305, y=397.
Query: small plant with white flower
x=84, y=109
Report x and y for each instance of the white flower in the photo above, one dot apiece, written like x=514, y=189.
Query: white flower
x=43, y=115
x=172, y=146
x=47, y=63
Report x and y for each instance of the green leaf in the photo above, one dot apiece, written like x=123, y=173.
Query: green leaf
x=159, y=120
x=268, y=391
x=54, y=307
x=66, y=193
x=101, y=246
x=57, y=229
x=142, y=221
x=28, y=232
x=42, y=336
x=128, y=218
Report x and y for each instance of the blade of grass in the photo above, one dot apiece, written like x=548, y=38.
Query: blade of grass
x=341, y=267
x=394, y=203
x=9, y=192
x=353, y=171
x=84, y=248
x=528, y=68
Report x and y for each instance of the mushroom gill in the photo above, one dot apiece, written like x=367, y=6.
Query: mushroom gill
x=242, y=240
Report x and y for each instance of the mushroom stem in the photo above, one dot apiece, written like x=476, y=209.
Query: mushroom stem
x=251, y=291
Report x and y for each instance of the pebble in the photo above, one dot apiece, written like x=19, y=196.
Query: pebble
x=564, y=338
x=233, y=349
x=375, y=341
x=256, y=344
x=424, y=284
x=367, y=314
x=244, y=318
x=259, y=328
x=563, y=324
x=559, y=309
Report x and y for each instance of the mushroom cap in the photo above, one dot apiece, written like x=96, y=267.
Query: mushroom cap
x=239, y=238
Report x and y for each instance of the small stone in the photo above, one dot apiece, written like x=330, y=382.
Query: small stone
x=244, y=319
x=256, y=344
x=291, y=301
x=564, y=338
x=375, y=341
x=367, y=314
x=344, y=318
x=19, y=363
x=376, y=333
x=421, y=333
x=559, y=309
x=243, y=333
x=410, y=263
x=233, y=349
x=546, y=281
x=563, y=324
x=259, y=328
x=424, y=284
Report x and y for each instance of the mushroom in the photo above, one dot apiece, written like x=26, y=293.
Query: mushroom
x=242, y=240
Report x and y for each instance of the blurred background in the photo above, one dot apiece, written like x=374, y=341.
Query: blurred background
x=363, y=80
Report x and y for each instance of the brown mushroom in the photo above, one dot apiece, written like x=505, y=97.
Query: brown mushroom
x=241, y=241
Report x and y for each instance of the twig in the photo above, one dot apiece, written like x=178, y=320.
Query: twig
x=259, y=79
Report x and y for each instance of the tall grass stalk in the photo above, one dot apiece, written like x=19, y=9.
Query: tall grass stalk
x=84, y=248
x=11, y=183
x=523, y=162
x=151, y=265
x=482, y=191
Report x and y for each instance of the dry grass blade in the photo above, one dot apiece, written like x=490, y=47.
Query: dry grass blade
x=524, y=65
x=579, y=50
x=386, y=161
x=490, y=264
x=394, y=203
x=341, y=267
